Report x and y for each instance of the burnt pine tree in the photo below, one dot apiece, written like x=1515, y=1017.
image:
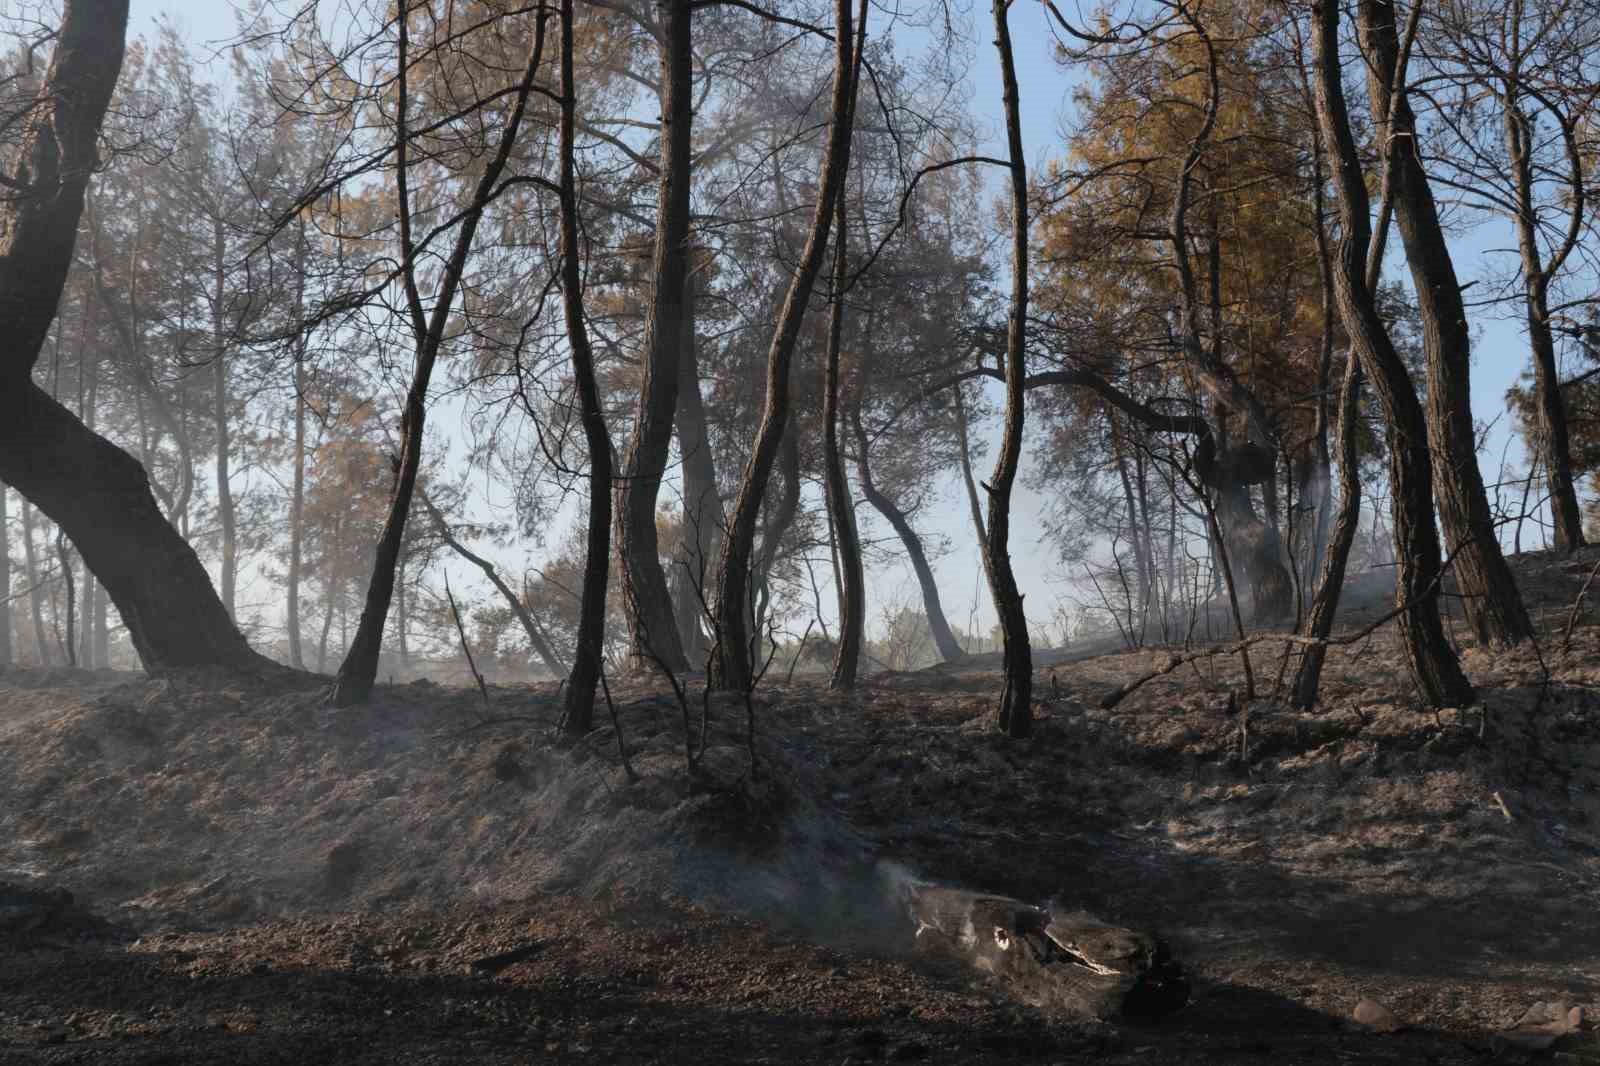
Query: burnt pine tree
x=96, y=492
x=360, y=667
x=1016, y=700
x=652, y=626
x=590, y=647
x=733, y=669
x=1432, y=662
x=1490, y=596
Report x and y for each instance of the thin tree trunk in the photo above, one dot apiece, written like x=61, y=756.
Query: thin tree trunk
x=35, y=586
x=297, y=520
x=1016, y=701
x=943, y=639
x=89, y=398
x=652, y=626
x=1490, y=597
x=587, y=655
x=734, y=669
x=1550, y=419
x=1330, y=581
x=219, y=413
x=69, y=590
x=535, y=635
x=974, y=508
x=780, y=516
x=841, y=513
x=7, y=605
x=702, y=506
x=359, y=670
x=1432, y=662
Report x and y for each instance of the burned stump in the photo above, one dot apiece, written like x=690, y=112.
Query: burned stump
x=1071, y=965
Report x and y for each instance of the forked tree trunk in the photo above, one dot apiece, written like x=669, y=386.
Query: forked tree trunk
x=359, y=670
x=734, y=669
x=1016, y=701
x=1490, y=597
x=1433, y=663
x=652, y=626
x=587, y=655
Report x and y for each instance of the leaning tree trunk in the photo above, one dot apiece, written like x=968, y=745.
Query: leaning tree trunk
x=1489, y=593
x=652, y=627
x=1016, y=701
x=97, y=493
x=1433, y=663
x=734, y=670
x=943, y=639
x=359, y=670
x=1550, y=418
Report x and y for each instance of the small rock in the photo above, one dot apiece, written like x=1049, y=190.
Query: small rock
x=1376, y=1017
x=1541, y=1026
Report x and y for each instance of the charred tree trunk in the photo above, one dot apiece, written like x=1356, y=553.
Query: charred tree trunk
x=530, y=628
x=1490, y=596
x=949, y=647
x=841, y=514
x=35, y=586
x=93, y=490
x=652, y=626
x=734, y=670
x=586, y=664
x=219, y=400
x=1432, y=662
x=1551, y=411
x=7, y=605
x=1016, y=701
x=359, y=670
x=297, y=521
x=1330, y=580
x=702, y=506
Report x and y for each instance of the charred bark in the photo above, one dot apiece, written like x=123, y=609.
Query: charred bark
x=652, y=626
x=1016, y=700
x=6, y=603
x=359, y=670
x=702, y=505
x=1490, y=596
x=949, y=647
x=97, y=493
x=841, y=514
x=1550, y=417
x=733, y=667
x=1433, y=664
x=586, y=662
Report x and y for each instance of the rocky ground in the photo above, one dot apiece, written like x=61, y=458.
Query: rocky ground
x=198, y=870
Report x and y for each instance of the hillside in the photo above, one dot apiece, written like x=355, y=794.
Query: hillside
x=259, y=878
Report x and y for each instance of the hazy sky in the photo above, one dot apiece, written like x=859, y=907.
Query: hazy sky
x=1499, y=352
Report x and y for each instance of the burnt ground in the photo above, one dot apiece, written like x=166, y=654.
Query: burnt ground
x=256, y=877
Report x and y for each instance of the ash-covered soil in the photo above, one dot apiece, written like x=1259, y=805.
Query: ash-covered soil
x=256, y=877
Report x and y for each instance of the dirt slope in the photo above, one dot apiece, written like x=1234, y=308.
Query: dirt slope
x=262, y=878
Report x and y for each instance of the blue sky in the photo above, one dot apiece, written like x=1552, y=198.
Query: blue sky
x=1500, y=353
